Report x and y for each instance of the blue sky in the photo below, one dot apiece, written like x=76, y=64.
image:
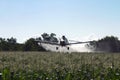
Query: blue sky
x=23, y=19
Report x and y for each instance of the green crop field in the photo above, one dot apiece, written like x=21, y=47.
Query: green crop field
x=59, y=66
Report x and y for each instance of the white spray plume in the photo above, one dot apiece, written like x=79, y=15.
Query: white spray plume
x=52, y=48
x=83, y=47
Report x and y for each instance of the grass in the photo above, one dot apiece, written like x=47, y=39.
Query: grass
x=59, y=66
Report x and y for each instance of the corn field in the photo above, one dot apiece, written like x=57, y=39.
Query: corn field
x=59, y=66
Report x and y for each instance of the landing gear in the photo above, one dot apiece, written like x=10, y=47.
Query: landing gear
x=68, y=48
x=56, y=48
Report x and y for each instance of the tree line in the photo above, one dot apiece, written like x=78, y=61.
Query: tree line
x=106, y=44
x=11, y=44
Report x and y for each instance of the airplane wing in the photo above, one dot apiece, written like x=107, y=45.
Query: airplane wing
x=78, y=43
x=48, y=42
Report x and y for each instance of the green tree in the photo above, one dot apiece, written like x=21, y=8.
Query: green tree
x=46, y=37
x=4, y=45
x=32, y=45
x=109, y=44
x=12, y=44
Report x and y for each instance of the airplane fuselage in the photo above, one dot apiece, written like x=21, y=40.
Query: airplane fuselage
x=62, y=43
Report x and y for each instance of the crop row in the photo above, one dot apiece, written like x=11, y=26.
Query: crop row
x=59, y=66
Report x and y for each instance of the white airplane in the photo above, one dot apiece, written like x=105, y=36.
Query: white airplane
x=56, y=45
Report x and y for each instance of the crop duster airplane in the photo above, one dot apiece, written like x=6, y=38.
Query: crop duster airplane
x=63, y=42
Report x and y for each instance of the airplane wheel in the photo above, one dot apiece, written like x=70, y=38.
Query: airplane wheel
x=68, y=48
x=56, y=48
